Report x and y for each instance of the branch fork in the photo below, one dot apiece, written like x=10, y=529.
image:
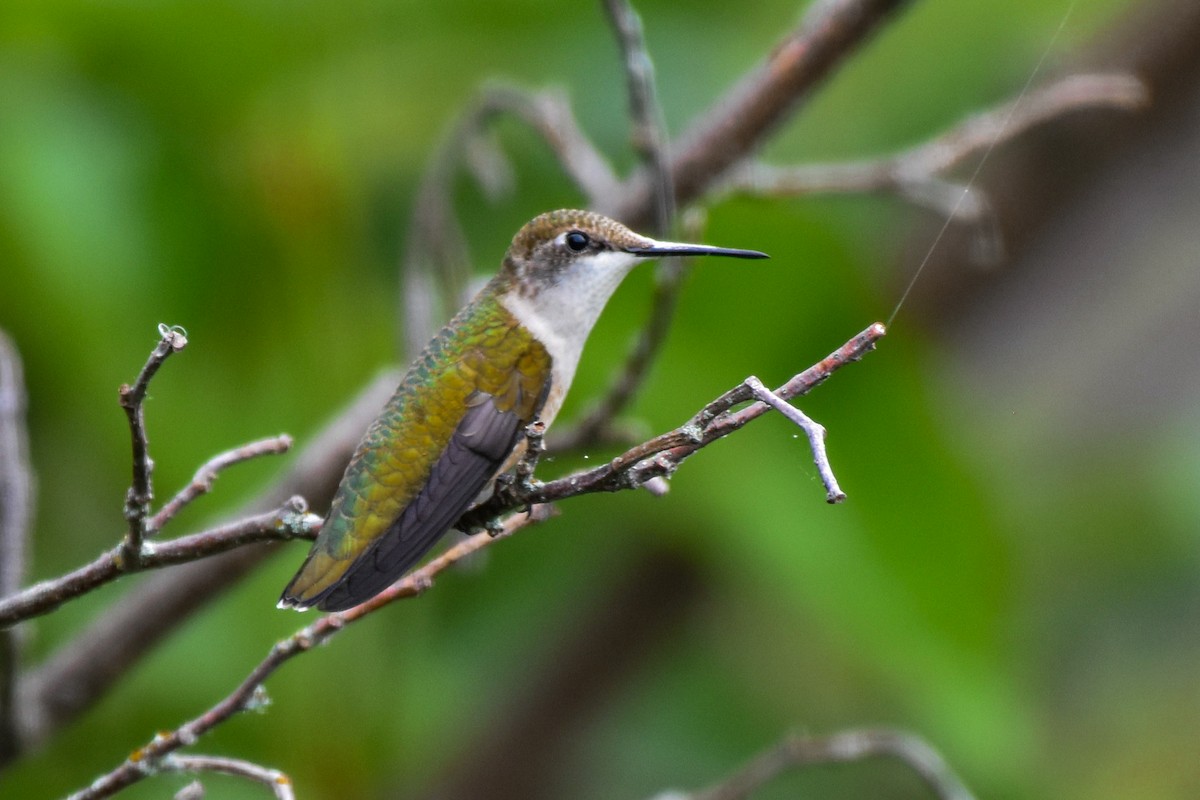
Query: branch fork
x=813, y=430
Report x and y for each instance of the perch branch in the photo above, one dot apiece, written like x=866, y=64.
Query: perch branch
x=250, y=693
x=662, y=455
x=854, y=745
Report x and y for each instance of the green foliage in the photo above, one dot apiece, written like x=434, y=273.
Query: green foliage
x=245, y=170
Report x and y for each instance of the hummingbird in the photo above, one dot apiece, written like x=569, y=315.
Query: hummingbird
x=458, y=418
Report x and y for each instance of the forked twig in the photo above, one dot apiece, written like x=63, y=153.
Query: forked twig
x=172, y=339
x=289, y=521
x=135, y=552
x=250, y=693
x=636, y=468
x=813, y=430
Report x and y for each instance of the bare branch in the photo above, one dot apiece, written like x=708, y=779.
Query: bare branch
x=16, y=523
x=854, y=745
x=436, y=245
x=649, y=130
x=919, y=173
x=813, y=430
x=1119, y=92
x=141, y=492
x=715, y=416
x=731, y=129
x=290, y=521
x=202, y=481
x=736, y=125
x=79, y=673
x=650, y=141
x=278, y=782
x=16, y=473
x=250, y=694
x=549, y=114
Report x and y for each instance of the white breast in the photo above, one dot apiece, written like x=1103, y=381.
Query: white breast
x=562, y=315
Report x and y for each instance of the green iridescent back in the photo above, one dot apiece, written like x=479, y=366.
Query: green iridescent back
x=483, y=349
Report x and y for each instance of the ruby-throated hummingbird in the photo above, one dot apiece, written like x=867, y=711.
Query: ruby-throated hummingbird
x=458, y=418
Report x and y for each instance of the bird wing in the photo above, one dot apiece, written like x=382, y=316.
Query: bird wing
x=393, y=505
x=477, y=449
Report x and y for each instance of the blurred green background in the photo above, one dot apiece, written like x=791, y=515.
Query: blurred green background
x=1022, y=594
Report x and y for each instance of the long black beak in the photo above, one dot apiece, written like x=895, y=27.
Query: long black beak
x=659, y=249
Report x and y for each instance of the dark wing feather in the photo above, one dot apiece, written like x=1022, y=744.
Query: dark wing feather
x=479, y=446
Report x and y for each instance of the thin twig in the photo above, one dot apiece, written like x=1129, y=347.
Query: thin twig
x=713, y=422
x=250, y=693
x=202, y=481
x=16, y=524
x=650, y=141
x=290, y=521
x=549, y=114
x=649, y=133
x=736, y=125
x=812, y=429
x=278, y=782
x=436, y=259
x=137, y=500
x=853, y=745
x=193, y=791
x=82, y=670
x=1116, y=91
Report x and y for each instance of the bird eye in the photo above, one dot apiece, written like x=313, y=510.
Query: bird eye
x=577, y=241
